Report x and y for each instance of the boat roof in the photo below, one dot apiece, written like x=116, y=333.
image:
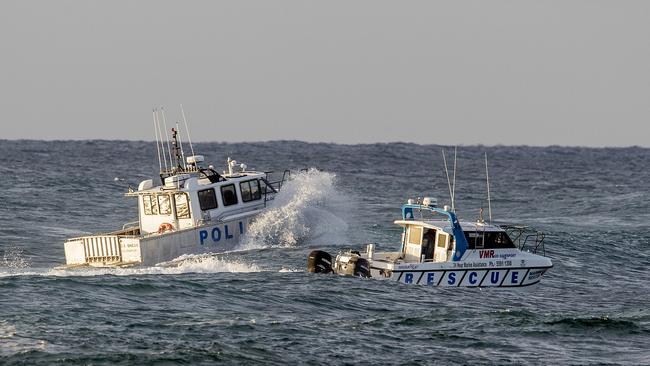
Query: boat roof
x=171, y=185
x=445, y=225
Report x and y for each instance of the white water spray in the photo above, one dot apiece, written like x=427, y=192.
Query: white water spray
x=308, y=206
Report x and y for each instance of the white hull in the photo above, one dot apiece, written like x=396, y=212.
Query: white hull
x=110, y=250
x=474, y=277
x=477, y=268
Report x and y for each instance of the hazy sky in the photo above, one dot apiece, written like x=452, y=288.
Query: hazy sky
x=452, y=72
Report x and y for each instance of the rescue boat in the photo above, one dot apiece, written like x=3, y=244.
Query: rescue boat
x=437, y=249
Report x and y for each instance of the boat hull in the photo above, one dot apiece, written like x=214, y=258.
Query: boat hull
x=471, y=277
x=114, y=250
x=477, y=268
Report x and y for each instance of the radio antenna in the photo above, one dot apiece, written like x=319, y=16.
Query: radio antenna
x=180, y=143
x=487, y=178
x=162, y=143
x=451, y=192
x=155, y=130
x=189, y=139
x=169, y=148
x=453, y=202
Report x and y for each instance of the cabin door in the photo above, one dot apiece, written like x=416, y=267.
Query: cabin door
x=413, y=247
x=428, y=245
x=442, y=244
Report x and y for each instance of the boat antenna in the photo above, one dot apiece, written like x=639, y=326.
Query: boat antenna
x=177, y=150
x=162, y=144
x=453, y=202
x=487, y=178
x=189, y=139
x=169, y=148
x=180, y=143
x=451, y=192
x=155, y=130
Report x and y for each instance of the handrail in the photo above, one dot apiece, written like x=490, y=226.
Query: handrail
x=523, y=236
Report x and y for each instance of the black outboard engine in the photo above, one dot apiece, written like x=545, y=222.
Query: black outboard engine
x=362, y=268
x=319, y=262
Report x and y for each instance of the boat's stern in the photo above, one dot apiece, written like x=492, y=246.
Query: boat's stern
x=102, y=251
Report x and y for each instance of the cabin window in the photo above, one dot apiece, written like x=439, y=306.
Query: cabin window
x=415, y=235
x=250, y=190
x=207, y=199
x=229, y=195
x=442, y=240
x=146, y=204
x=164, y=204
x=150, y=204
x=182, y=206
x=488, y=240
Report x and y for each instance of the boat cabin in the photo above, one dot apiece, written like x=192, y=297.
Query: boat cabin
x=433, y=241
x=196, y=197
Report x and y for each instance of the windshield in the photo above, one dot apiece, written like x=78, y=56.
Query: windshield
x=488, y=240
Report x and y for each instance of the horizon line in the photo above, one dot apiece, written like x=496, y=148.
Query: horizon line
x=340, y=143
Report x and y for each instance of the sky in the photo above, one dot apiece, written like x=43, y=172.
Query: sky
x=539, y=73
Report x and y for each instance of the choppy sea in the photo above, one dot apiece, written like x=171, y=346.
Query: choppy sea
x=257, y=305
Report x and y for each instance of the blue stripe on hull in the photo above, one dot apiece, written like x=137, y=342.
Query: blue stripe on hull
x=501, y=277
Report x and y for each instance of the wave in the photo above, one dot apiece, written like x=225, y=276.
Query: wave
x=308, y=206
x=203, y=263
x=600, y=323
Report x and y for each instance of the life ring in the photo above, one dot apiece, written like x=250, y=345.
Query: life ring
x=165, y=226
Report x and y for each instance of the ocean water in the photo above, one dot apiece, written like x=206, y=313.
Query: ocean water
x=257, y=305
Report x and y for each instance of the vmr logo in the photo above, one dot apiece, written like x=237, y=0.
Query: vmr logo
x=486, y=254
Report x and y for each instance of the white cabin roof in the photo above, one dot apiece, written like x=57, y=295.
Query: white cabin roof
x=445, y=225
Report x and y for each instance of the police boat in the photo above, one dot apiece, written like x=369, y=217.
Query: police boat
x=439, y=250
x=194, y=210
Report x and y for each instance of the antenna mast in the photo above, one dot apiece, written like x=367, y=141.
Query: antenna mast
x=169, y=148
x=180, y=143
x=155, y=130
x=487, y=177
x=451, y=192
x=189, y=139
x=453, y=202
x=162, y=144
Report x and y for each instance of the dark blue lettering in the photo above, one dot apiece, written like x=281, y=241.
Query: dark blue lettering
x=472, y=278
x=203, y=234
x=430, y=278
x=515, y=276
x=216, y=234
x=452, y=278
x=228, y=235
x=494, y=277
x=241, y=227
x=408, y=278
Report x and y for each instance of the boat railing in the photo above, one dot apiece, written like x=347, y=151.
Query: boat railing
x=526, y=238
x=131, y=224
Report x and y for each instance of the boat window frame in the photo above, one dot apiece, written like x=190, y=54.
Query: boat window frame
x=202, y=199
x=168, y=211
x=187, y=204
x=234, y=191
x=488, y=240
x=249, y=191
x=152, y=199
x=441, y=235
x=420, y=229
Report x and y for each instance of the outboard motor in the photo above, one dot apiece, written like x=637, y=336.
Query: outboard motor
x=351, y=264
x=362, y=268
x=319, y=262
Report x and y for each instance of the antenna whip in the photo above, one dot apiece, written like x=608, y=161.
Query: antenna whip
x=189, y=139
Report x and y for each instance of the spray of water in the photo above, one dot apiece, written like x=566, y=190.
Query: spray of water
x=14, y=258
x=307, y=207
